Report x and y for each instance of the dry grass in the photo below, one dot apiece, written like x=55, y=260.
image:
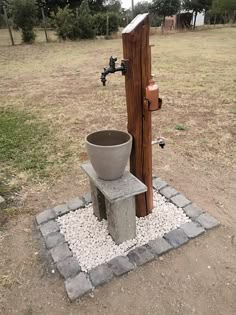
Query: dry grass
x=59, y=84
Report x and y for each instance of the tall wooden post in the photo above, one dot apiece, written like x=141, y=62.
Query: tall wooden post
x=8, y=25
x=137, y=52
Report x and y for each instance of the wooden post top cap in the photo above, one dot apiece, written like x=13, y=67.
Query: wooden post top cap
x=134, y=23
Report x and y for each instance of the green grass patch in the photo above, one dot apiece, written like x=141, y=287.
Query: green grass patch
x=180, y=127
x=27, y=144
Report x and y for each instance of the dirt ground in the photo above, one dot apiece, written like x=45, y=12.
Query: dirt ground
x=60, y=84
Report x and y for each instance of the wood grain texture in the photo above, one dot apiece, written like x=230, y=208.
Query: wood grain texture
x=136, y=50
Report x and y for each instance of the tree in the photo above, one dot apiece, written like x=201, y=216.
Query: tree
x=196, y=6
x=63, y=21
x=24, y=14
x=228, y=7
x=84, y=21
x=165, y=8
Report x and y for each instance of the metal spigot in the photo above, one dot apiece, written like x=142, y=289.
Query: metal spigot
x=112, y=69
x=161, y=141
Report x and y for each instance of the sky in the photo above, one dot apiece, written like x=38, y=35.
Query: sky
x=127, y=3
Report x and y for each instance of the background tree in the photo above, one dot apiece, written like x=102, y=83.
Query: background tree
x=144, y=7
x=84, y=21
x=165, y=8
x=196, y=6
x=63, y=22
x=24, y=13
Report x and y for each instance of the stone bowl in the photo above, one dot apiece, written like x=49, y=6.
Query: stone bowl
x=109, y=151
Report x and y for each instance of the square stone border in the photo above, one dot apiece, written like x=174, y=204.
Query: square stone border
x=79, y=283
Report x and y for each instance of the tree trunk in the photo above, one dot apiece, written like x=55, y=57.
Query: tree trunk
x=215, y=20
x=107, y=27
x=163, y=24
x=8, y=25
x=194, y=22
x=44, y=24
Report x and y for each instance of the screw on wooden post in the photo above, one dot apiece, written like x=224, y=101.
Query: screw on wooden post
x=8, y=25
x=138, y=52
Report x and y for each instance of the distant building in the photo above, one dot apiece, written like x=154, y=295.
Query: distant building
x=183, y=20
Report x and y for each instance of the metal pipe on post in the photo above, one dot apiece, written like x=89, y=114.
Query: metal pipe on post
x=8, y=25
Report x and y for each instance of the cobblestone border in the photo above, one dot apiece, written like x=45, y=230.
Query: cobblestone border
x=77, y=282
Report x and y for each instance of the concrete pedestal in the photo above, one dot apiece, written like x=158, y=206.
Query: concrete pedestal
x=115, y=200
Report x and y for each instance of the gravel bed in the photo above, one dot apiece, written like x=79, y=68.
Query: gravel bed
x=91, y=244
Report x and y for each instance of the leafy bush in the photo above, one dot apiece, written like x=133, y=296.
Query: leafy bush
x=24, y=14
x=100, y=23
x=74, y=26
x=63, y=21
x=84, y=22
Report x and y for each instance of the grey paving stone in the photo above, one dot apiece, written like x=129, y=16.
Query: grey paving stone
x=87, y=198
x=100, y=275
x=120, y=265
x=78, y=286
x=192, y=229
x=49, y=227
x=140, y=255
x=60, y=252
x=193, y=211
x=207, y=221
x=75, y=203
x=180, y=201
x=69, y=267
x=159, y=246
x=176, y=238
x=45, y=216
x=54, y=239
x=158, y=183
x=168, y=192
x=61, y=209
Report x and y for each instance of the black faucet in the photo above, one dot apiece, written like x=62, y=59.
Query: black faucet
x=112, y=69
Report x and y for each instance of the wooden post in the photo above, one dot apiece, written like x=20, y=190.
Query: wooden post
x=44, y=24
x=8, y=25
x=137, y=52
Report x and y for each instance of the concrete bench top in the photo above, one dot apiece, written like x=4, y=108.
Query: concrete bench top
x=126, y=186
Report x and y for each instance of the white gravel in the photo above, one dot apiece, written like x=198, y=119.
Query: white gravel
x=92, y=245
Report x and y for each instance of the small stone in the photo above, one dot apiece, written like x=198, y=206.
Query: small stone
x=207, y=221
x=168, y=192
x=69, y=267
x=61, y=209
x=75, y=203
x=54, y=239
x=49, y=227
x=176, y=238
x=2, y=202
x=193, y=211
x=192, y=229
x=45, y=216
x=180, y=201
x=120, y=265
x=78, y=286
x=158, y=183
x=60, y=252
x=159, y=246
x=87, y=198
x=100, y=275
x=140, y=255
